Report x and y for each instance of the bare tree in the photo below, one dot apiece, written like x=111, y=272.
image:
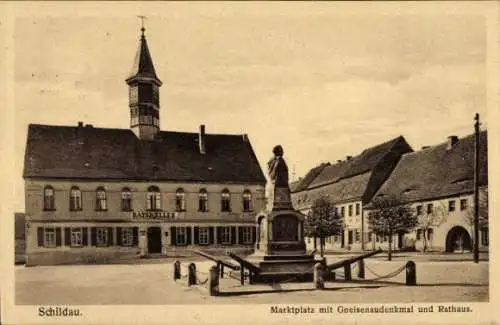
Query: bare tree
x=432, y=219
x=389, y=216
x=483, y=211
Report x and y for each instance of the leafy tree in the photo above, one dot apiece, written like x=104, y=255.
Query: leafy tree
x=389, y=216
x=322, y=221
x=483, y=211
x=430, y=220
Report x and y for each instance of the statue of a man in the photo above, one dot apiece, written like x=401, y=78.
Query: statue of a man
x=278, y=170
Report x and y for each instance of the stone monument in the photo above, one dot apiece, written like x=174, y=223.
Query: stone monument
x=280, y=250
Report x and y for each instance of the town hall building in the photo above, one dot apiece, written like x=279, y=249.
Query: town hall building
x=97, y=194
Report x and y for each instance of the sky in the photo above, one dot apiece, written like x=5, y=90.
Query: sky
x=322, y=81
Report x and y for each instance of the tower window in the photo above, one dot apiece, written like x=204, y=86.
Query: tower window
x=153, y=200
x=48, y=198
x=225, y=200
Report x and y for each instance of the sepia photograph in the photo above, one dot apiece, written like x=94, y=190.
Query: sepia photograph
x=294, y=157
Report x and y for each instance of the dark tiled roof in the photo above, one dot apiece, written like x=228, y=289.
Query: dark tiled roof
x=364, y=162
x=97, y=153
x=302, y=183
x=437, y=172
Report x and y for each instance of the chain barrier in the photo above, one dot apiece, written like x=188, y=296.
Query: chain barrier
x=388, y=275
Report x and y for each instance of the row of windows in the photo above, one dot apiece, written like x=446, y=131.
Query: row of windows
x=153, y=199
x=451, y=207
x=127, y=236
x=350, y=210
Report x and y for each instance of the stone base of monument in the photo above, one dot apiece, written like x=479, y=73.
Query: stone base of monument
x=282, y=268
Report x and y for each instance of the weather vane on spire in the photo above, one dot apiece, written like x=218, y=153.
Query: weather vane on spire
x=142, y=18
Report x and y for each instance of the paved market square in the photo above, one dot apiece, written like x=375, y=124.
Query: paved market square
x=440, y=278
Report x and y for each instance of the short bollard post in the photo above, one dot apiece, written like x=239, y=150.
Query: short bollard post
x=347, y=272
x=213, y=281
x=411, y=273
x=242, y=275
x=177, y=270
x=191, y=274
x=221, y=270
x=319, y=281
x=361, y=269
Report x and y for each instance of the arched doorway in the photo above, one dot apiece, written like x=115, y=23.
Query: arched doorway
x=458, y=240
x=154, y=240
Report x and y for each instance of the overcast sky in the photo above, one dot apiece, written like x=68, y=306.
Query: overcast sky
x=323, y=82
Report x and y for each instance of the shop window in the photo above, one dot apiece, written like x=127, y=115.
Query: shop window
x=203, y=235
x=76, y=237
x=127, y=236
x=49, y=237
x=225, y=235
x=181, y=236
x=247, y=235
x=102, y=236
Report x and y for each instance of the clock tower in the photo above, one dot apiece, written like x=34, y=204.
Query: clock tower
x=144, y=97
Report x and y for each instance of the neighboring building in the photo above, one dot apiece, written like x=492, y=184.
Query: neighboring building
x=19, y=237
x=349, y=184
x=95, y=194
x=438, y=182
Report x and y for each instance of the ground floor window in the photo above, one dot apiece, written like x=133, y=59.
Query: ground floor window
x=49, y=237
x=181, y=235
x=485, y=237
x=76, y=238
x=203, y=235
x=246, y=234
x=225, y=235
x=102, y=236
x=127, y=237
x=357, y=235
x=430, y=233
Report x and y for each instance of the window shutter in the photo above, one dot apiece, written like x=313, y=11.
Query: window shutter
x=110, y=236
x=85, y=236
x=240, y=235
x=39, y=231
x=58, y=236
x=118, y=236
x=172, y=236
x=135, y=235
x=254, y=235
x=188, y=235
x=67, y=236
x=196, y=235
x=219, y=235
x=211, y=235
x=93, y=236
x=233, y=235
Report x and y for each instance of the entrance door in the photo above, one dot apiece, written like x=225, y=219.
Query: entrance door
x=458, y=240
x=154, y=240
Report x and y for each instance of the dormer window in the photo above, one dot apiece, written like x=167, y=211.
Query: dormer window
x=180, y=201
x=101, y=204
x=48, y=198
x=75, y=199
x=225, y=200
x=153, y=199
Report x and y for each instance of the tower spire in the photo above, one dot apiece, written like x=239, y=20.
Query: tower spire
x=144, y=98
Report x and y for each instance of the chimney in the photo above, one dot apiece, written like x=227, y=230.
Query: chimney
x=452, y=140
x=339, y=161
x=201, y=139
x=80, y=124
x=80, y=136
x=347, y=158
x=89, y=126
x=245, y=137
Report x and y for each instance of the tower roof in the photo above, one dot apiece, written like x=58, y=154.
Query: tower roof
x=143, y=68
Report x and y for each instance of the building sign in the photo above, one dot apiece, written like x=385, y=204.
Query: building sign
x=160, y=215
